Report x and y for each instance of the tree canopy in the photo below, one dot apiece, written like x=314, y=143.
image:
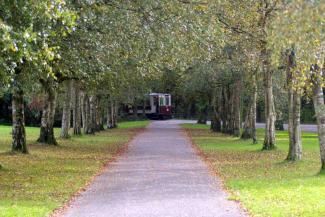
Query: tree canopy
x=223, y=58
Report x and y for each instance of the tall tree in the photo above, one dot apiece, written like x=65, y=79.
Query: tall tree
x=302, y=26
x=254, y=24
x=249, y=128
x=48, y=113
x=76, y=108
x=294, y=98
x=66, y=114
x=27, y=49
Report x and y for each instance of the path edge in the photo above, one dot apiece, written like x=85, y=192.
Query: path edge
x=214, y=172
x=60, y=211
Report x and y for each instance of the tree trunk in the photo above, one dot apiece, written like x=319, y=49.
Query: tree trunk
x=144, y=110
x=88, y=129
x=236, y=108
x=66, y=114
x=113, y=114
x=108, y=115
x=82, y=107
x=135, y=111
x=92, y=115
x=249, y=129
x=101, y=119
x=269, y=139
x=224, y=110
x=319, y=106
x=215, y=123
x=216, y=118
x=18, y=119
x=295, y=145
x=47, y=129
x=230, y=111
x=76, y=109
x=294, y=99
x=98, y=115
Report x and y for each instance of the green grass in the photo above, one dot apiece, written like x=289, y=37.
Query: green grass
x=264, y=183
x=35, y=184
x=133, y=124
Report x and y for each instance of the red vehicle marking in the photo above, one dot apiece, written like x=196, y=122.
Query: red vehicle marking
x=165, y=110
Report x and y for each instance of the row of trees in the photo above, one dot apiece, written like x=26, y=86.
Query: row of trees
x=89, y=56
x=94, y=55
x=266, y=41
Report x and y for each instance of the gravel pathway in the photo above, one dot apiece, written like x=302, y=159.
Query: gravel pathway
x=160, y=175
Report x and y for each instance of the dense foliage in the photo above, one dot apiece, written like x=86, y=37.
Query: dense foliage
x=77, y=63
x=227, y=61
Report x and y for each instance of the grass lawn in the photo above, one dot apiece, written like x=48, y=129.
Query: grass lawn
x=35, y=184
x=264, y=183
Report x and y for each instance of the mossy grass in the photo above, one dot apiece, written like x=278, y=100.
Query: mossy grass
x=263, y=181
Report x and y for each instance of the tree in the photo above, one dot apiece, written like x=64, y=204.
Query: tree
x=294, y=96
x=319, y=105
x=66, y=114
x=249, y=128
x=253, y=21
x=303, y=29
x=48, y=113
x=27, y=27
x=76, y=108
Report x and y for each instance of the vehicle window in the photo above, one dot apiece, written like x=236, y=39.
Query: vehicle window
x=155, y=101
x=161, y=101
x=167, y=100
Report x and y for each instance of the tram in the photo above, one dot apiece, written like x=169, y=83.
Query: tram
x=158, y=106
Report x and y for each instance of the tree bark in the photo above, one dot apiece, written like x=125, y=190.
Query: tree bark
x=76, y=109
x=98, y=115
x=47, y=122
x=113, y=113
x=294, y=99
x=88, y=129
x=224, y=110
x=18, y=116
x=108, y=115
x=216, y=117
x=295, y=145
x=230, y=111
x=236, y=108
x=319, y=106
x=92, y=115
x=66, y=114
x=269, y=139
x=249, y=129
x=82, y=107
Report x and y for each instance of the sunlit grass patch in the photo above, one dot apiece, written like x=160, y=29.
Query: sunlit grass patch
x=263, y=181
x=35, y=184
x=133, y=124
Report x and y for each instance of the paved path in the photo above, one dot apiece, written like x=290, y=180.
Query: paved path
x=304, y=127
x=161, y=176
